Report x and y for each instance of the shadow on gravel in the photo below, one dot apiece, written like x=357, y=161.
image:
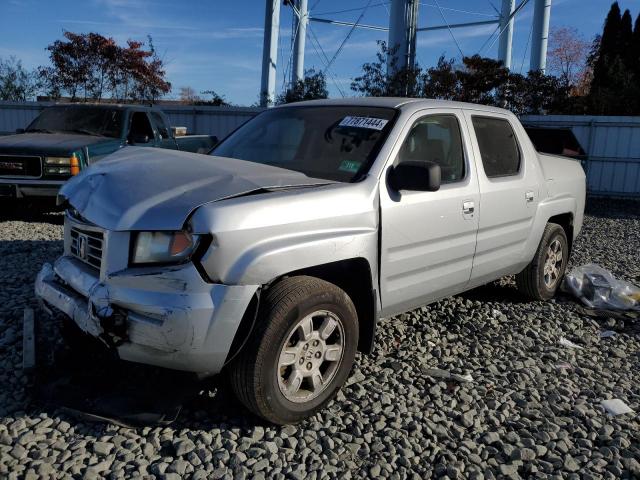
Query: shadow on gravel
x=500, y=291
x=89, y=383
x=601, y=207
x=31, y=211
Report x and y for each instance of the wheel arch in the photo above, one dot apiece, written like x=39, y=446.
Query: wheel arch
x=355, y=278
x=565, y=220
x=353, y=275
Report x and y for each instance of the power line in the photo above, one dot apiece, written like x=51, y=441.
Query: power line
x=346, y=39
x=457, y=10
x=524, y=55
x=335, y=12
x=513, y=14
x=293, y=40
x=323, y=58
x=450, y=31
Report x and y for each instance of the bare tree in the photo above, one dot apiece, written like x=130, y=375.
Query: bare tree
x=189, y=96
x=568, y=55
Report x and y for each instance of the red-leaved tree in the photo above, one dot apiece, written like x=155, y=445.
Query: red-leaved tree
x=90, y=66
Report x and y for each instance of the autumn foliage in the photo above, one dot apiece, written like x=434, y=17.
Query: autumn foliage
x=89, y=66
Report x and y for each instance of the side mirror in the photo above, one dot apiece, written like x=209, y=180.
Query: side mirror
x=20, y=130
x=415, y=175
x=214, y=141
x=137, y=138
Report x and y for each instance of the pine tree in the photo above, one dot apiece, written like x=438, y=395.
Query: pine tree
x=614, y=88
x=635, y=48
x=609, y=46
x=626, y=36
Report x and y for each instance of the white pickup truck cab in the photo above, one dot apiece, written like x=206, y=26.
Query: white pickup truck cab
x=273, y=258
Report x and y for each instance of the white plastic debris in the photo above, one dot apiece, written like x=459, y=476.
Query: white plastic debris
x=568, y=343
x=564, y=366
x=596, y=287
x=615, y=406
x=607, y=334
x=439, y=373
x=462, y=378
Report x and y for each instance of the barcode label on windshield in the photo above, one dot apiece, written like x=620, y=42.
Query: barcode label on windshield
x=364, y=122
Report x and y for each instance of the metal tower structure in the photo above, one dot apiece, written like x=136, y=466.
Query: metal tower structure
x=403, y=27
x=506, y=32
x=540, y=35
x=270, y=53
x=301, y=19
x=402, y=33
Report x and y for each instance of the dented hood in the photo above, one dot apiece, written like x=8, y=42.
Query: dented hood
x=152, y=189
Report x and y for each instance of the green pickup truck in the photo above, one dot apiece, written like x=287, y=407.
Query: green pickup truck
x=64, y=139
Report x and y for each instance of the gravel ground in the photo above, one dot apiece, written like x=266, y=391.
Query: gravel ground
x=532, y=409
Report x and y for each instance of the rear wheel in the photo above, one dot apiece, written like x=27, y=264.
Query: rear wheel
x=301, y=352
x=542, y=277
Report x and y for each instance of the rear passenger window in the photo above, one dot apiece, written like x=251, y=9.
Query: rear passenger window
x=498, y=146
x=437, y=139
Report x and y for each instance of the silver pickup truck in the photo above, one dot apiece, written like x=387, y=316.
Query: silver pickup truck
x=273, y=258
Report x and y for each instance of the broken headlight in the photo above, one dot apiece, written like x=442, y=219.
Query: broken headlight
x=163, y=247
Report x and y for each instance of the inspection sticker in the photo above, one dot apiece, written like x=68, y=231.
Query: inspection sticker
x=350, y=166
x=364, y=122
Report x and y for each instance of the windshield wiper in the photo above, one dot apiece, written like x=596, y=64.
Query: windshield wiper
x=39, y=130
x=85, y=132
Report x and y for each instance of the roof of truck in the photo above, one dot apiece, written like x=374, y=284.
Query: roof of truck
x=397, y=102
x=109, y=106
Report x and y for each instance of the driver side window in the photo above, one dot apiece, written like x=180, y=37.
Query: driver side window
x=437, y=139
x=140, y=127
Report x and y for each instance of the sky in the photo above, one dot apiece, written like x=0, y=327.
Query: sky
x=217, y=45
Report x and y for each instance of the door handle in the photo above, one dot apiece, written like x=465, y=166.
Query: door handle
x=468, y=207
x=529, y=196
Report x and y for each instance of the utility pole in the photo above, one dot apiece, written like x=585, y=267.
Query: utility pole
x=270, y=53
x=403, y=23
x=540, y=35
x=300, y=31
x=506, y=32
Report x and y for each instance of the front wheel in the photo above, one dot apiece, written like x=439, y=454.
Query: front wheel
x=542, y=277
x=301, y=352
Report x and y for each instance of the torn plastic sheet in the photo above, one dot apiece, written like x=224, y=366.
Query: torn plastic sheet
x=607, y=334
x=615, y=406
x=596, y=287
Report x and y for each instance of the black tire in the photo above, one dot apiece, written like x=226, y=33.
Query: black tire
x=531, y=281
x=254, y=374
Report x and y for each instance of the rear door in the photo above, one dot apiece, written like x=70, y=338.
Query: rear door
x=428, y=238
x=508, y=195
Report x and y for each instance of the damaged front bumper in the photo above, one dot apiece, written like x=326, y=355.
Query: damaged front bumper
x=164, y=316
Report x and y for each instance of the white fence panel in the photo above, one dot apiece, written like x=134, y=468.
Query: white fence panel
x=612, y=145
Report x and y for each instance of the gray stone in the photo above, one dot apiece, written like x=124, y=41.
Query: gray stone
x=102, y=448
x=183, y=446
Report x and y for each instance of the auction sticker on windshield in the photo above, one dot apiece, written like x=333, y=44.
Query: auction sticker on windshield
x=364, y=122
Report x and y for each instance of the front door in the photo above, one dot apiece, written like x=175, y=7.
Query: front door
x=140, y=131
x=429, y=238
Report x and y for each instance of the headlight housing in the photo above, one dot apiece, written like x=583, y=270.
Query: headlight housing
x=62, y=165
x=163, y=247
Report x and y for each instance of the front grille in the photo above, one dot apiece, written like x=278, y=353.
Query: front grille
x=86, y=245
x=20, y=166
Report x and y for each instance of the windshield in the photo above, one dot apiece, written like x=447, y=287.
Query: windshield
x=105, y=122
x=330, y=142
